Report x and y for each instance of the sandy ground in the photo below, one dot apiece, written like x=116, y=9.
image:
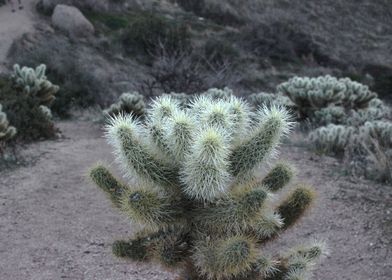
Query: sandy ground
x=55, y=224
x=14, y=25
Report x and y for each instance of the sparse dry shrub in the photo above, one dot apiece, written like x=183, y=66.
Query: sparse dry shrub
x=185, y=71
x=147, y=31
x=281, y=41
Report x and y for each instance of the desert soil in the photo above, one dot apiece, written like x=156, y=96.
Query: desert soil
x=55, y=224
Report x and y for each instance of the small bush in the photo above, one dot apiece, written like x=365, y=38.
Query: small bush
x=147, y=31
x=218, y=51
x=111, y=21
x=220, y=12
x=185, y=71
x=281, y=41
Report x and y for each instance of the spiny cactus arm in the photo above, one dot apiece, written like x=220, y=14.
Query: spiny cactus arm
x=273, y=124
x=205, y=172
x=46, y=93
x=150, y=208
x=162, y=107
x=298, y=262
x=240, y=117
x=278, y=177
x=172, y=248
x=108, y=183
x=265, y=267
x=6, y=131
x=216, y=114
x=295, y=205
x=128, y=139
x=139, y=248
x=135, y=250
x=158, y=117
x=40, y=72
x=180, y=129
x=266, y=226
x=168, y=247
x=232, y=214
x=225, y=258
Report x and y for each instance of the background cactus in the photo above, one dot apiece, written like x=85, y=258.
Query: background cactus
x=34, y=82
x=262, y=98
x=196, y=191
x=26, y=99
x=216, y=93
x=7, y=132
x=333, y=138
x=128, y=103
x=324, y=100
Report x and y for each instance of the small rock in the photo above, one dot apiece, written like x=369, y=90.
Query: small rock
x=71, y=20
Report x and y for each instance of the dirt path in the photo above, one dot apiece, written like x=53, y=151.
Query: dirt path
x=13, y=25
x=55, y=224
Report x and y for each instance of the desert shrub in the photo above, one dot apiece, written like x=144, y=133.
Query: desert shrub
x=128, y=103
x=185, y=71
x=220, y=12
x=219, y=51
x=377, y=162
x=109, y=20
x=2, y=2
x=196, y=193
x=281, y=41
x=147, y=31
x=25, y=103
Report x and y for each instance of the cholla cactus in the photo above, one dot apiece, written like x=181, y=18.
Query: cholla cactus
x=7, y=132
x=47, y=112
x=309, y=94
x=183, y=99
x=128, y=103
x=381, y=131
x=327, y=98
x=356, y=94
x=330, y=115
x=35, y=83
x=196, y=192
x=216, y=93
x=262, y=98
x=332, y=138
